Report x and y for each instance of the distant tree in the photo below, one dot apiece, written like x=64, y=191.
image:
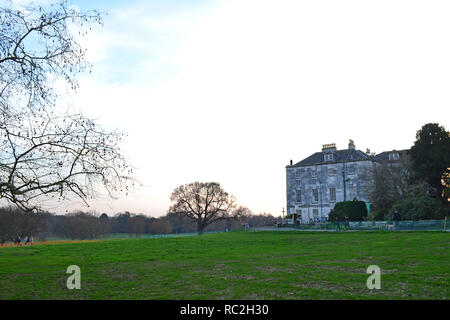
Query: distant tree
x=105, y=224
x=202, y=202
x=81, y=225
x=138, y=224
x=241, y=214
x=431, y=157
x=16, y=222
x=260, y=220
x=390, y=184
x=180, y=223
x=160, y=226
x=120, y=222
x=47, y=153
x=417, y=205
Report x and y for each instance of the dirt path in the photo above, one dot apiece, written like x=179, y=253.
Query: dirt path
x=39, y=243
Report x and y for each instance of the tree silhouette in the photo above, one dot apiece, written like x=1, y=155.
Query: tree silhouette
x=47, y=153
x=203, y=202
x=431, y=157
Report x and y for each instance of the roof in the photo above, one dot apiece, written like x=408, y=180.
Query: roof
x=340, y=156
x=384, y=156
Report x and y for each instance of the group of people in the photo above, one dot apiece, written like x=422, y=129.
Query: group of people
x=26, y=241
x=345, y=224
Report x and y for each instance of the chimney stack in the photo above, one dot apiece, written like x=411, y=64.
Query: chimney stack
x=367, y=150
x=291, y=162
x=351, y=144
x=329, y=147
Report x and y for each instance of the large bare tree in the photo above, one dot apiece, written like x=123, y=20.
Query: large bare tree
x=47, y=152
x=203, y=202
x=391, y=182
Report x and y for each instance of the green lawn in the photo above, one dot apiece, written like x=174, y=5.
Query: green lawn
x=236, y=265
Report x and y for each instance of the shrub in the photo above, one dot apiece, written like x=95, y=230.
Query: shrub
x=419, y=207
x=355, y=210
x=377, y=215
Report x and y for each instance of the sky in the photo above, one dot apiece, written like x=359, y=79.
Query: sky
x=231, y=91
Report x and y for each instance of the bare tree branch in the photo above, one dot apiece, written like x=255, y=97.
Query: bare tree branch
x=46, y=154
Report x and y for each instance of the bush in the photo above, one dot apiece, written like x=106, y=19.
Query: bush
x=335, y=216
x=355, y=210
x=377, y=215
x=419, y=207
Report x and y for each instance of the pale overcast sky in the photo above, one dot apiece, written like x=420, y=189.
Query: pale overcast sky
x=230, y=91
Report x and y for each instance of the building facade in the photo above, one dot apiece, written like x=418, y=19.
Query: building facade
x=315, y=184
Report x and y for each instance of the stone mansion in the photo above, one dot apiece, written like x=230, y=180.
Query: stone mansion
x=316, y=183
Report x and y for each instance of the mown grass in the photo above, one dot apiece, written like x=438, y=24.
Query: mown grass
x=236, y=265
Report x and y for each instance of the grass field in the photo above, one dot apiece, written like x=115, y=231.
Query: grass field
x=235, y=265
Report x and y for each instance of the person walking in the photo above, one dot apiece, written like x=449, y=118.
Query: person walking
x=347, y=223
x=338, y=225
x=397, y=218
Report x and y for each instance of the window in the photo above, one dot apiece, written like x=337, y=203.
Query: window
x=331, y=172
x=316, y=213
x=329, y=156
x=297, y=173
x=313, y=173
x=394, y=156
x=333, y=194
x=351, y=169
x=315, y=195
x=298, y=195
x=351, y=193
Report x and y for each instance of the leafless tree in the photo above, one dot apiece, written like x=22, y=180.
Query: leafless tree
x=15, y=222
x=81, y=225
x=160, y=226
x=44, y=157
x=203, y=202
x=180, y=223
x=138, y=224
x=46, y=153
x=391, y=182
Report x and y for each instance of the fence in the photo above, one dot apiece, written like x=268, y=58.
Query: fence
x=425, y=225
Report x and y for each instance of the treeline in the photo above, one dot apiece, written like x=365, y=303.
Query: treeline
x=86, y=225
x=418, y=186
x=399, y=187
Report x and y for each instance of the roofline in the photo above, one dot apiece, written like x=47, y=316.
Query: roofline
x=328, y=162
x=370, y=158
x=394, y=150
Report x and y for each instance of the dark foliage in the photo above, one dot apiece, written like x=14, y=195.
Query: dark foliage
x=355, y=211
x=431, y=158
